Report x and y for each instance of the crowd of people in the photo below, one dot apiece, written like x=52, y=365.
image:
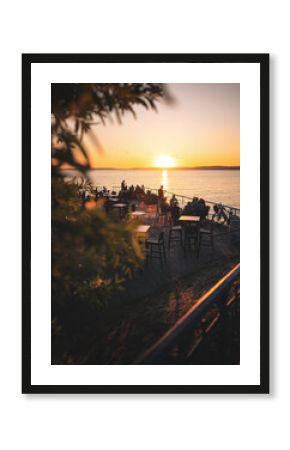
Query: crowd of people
x=196, y=207
x=139, y=194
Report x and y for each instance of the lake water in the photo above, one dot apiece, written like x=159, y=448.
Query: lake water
x=212, y=185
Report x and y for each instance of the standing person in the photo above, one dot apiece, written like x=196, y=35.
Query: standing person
x=164, y=208
x=175, y=213
x=161, y=193
x=173, y=201
x=123, y=186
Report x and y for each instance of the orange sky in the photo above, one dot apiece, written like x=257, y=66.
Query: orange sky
x=202, y=127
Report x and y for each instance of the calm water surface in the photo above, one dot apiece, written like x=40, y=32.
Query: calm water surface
x=212, y=185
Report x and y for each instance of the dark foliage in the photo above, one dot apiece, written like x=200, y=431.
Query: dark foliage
x=92, y=255
x=76, y=108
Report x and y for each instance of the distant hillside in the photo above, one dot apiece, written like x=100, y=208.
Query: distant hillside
x=173, y=168
x=211, y=168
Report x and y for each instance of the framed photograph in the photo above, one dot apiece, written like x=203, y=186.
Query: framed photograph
x=145, y=223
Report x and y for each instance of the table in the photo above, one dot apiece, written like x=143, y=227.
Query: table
x=142, y=229
x=120, y=205
x=137, y=214
x=189, y=219
x=142, y=232
x=191, y=233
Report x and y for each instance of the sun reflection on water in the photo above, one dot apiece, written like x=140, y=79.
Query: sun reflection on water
x=164, y=179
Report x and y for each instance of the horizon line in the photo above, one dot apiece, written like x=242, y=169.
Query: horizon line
x=210, y=167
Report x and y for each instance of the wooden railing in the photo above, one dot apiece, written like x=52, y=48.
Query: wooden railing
x=217, y=309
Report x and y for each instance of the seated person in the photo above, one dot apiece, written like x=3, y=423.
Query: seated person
x=107, y=205
x=150, y=198
x=194, y=205
x=139, y=193
x=202, y=209
x=188, y=209
x=96, y=193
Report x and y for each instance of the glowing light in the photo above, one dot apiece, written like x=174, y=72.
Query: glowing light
x=164, y=179
x=164, y=162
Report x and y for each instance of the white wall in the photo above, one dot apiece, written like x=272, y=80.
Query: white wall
x=142, y=422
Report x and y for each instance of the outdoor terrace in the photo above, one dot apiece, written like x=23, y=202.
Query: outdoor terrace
x=165, y=288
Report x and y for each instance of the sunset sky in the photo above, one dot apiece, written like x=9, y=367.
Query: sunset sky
x=201, y=128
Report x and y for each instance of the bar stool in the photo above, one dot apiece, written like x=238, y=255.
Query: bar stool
x=206, y=236
x=175, y=235
x=191, y=237
x=157, y=247
x=162, y=217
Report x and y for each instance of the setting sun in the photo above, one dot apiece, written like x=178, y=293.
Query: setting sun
x=164, y=162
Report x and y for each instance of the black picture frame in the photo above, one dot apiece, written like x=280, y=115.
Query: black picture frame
x=263, y=61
